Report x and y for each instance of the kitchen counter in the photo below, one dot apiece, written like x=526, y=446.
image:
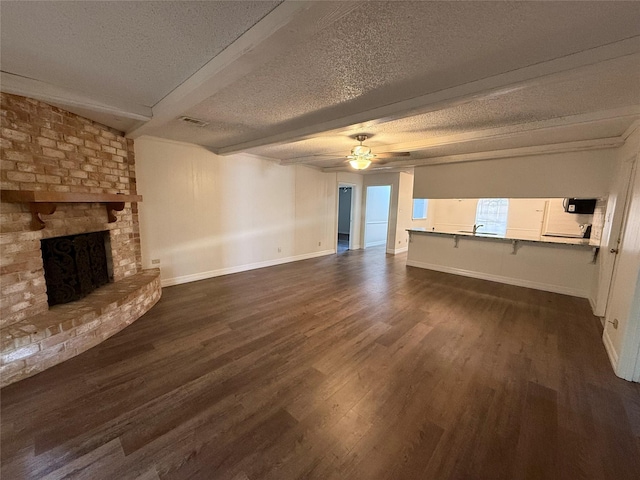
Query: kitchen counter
x=555, y=264
x=542, y=239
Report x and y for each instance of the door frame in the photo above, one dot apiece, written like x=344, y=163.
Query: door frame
x=352, y=209
x=364, y=213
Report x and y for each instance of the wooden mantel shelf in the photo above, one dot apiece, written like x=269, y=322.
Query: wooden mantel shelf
x=45, y=203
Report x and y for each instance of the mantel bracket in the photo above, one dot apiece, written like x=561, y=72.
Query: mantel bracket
x=37, y=209
x=113, y=207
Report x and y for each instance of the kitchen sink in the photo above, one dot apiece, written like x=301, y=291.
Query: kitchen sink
x=476, y=233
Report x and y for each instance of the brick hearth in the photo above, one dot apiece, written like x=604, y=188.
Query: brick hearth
x=44, y=148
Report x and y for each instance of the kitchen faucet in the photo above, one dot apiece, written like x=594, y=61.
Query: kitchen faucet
x=476, y=227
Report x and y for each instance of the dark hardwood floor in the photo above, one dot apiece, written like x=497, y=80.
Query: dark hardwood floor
x=350, y=366
x=343, y=242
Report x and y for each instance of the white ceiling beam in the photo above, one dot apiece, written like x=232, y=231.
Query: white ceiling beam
x=487, y=87
x=578, y=146
x=28, y=87
x=241, y=57
x=501, y=133
x=632, y=128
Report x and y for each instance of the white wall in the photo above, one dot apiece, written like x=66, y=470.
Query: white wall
x=576, y=174
x=525, y=217
x=405, y=213
x=453, y=215
x=204, y=215
x=315, y=224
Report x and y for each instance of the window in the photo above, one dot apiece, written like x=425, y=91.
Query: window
x=419, y=208
x=492, y=214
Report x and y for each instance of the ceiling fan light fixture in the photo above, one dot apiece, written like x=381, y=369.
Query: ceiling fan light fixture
x=360, y=151
x=361, y=155
x=360, y=163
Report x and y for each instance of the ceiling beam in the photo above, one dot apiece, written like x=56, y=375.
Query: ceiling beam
x=487, y=87
x=500, y=133
x=277, y=29
x=579, y=146
x=29, y=87
x=632, y=128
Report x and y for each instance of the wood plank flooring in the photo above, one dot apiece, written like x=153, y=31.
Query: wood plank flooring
x=350, y=366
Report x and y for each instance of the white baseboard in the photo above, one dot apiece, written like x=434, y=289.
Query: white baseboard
x=611, y=351
x=375, y=244
x=500, y=279
x=194, y=277
x=397, y=250
x=592, y=303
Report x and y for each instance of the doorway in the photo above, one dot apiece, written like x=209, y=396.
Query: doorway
x=345, y=208
x=376, y=226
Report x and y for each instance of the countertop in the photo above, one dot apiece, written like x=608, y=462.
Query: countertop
x=541, y=239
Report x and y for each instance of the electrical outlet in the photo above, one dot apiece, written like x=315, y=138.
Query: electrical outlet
x=155, y=261
x=279, y=250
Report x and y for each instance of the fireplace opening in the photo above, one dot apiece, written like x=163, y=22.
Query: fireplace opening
x=75, y=265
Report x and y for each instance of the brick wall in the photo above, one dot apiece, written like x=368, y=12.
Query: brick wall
x=46, y=148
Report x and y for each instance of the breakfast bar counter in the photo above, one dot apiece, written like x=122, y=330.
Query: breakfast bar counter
x=558, y=264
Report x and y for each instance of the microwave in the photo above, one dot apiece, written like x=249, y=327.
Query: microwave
x=579, y=205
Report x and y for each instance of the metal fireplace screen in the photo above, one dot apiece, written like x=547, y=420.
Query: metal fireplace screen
x=74, y=266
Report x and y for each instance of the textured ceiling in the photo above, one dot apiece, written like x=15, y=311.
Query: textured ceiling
x=284, y=80
x=385, y=52
x=519, y=137
x=604, y=86
x=137, y=51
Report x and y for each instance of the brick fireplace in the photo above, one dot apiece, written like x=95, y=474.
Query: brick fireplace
x=47, y=150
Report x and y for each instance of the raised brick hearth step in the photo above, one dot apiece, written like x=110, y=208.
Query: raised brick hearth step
x=42, y=341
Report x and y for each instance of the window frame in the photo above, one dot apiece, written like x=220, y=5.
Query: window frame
x=497, y=225
x=425, y=207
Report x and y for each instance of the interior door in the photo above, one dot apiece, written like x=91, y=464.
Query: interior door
x=623, y=307
x=610, y=236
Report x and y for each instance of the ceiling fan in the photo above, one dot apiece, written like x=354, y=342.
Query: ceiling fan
x=361, y=156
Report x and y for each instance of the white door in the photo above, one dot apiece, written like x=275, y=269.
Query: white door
x=376, y=224
x=623, y=307
x=610, y=235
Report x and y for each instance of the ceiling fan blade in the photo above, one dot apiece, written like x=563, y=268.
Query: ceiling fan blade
x=392, y=154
